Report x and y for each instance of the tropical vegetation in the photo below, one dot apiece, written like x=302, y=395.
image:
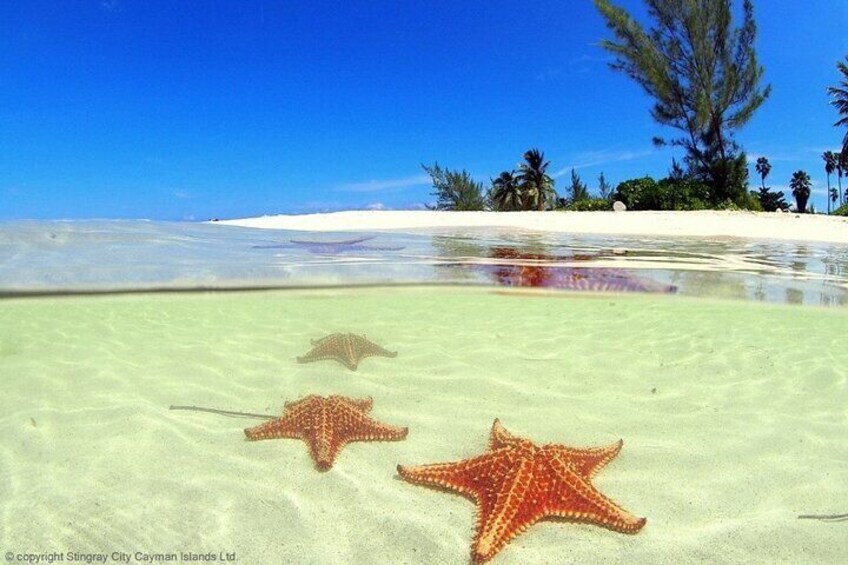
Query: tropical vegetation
x=704, y=78
x=839, y=95
x=770, y=201
x=801, y=187
x=455, y=190
x=536, y=185
x=665, y=62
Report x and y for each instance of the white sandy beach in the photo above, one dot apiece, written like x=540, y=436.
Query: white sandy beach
x=710, y=223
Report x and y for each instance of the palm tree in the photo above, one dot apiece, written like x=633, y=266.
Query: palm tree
x=840, y=100
x=841, y=166
x=800, y=185
x=829, y=166
x=506, y=192
x=537, y=185
x=764, y=168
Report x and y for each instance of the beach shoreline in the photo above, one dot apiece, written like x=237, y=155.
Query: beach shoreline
x=707, y=223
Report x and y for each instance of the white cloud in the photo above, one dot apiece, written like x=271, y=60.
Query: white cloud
x=602, y=157
x=376, y=206
x=384, y=185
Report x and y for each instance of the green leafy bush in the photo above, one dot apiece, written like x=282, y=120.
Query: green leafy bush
x=771, y=201
x=589, y=205
x=668, y=194
x=841, y=211
x=637, y=194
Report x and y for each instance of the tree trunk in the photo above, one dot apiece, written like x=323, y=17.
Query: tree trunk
x=801, y=201
x=828, y=194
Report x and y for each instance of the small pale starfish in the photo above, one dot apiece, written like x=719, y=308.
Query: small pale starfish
x=348, y=349
x=327, y=425
x=517, y=483
x=329, y=247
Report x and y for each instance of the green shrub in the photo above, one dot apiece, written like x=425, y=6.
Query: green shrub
x=589, y=205
x=668, y=194
x=771, y=201
x=637, y=194
x=841, y=211
x=747, y=201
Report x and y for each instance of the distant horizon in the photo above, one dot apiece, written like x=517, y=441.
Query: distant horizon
x=154, y=110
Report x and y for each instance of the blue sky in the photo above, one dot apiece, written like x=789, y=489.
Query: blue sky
x=191, y=110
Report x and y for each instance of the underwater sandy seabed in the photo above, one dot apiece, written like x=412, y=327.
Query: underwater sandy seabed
x=733, y=415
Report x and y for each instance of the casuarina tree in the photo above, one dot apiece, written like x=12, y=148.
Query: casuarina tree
x=455, y=190
x=704, y=77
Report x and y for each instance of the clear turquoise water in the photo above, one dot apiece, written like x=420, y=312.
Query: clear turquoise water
x=730, y=396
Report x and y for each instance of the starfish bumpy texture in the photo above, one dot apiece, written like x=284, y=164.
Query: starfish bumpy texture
x=348, y=349
x=327, y=425
x=517, y=483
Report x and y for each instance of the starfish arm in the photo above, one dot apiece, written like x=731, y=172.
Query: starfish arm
x=367, y=429
x=587, y=460
x=343, y=242
x=462, y=477
x=573, y=497
x=367, y=348
x=500, y=508
x=324, y=447
x=499, y=436
x=361, y=404
x=298, y=405
x=284, y=427
x=322, y=352
x=325, y=339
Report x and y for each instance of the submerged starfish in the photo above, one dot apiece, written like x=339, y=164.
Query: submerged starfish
x=329, y=247
x=348, y=349
x=517, y=483
x=327, y=425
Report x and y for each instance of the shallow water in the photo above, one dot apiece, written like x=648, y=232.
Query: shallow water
x=733, y=416
x=50, y=256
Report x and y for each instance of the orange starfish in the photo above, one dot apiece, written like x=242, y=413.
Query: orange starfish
x=327, y=425
x=517, y=483
x=347, y=349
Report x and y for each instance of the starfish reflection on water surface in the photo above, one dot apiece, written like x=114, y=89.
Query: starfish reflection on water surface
x=532, y=271
x=329, y=247
x=348, y=349
x=517, y=483
x=327, y=425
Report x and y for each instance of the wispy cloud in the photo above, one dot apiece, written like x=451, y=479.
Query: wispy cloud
x=384, y=185
x=376, y=206
x=772, y=157
x=602, y=157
